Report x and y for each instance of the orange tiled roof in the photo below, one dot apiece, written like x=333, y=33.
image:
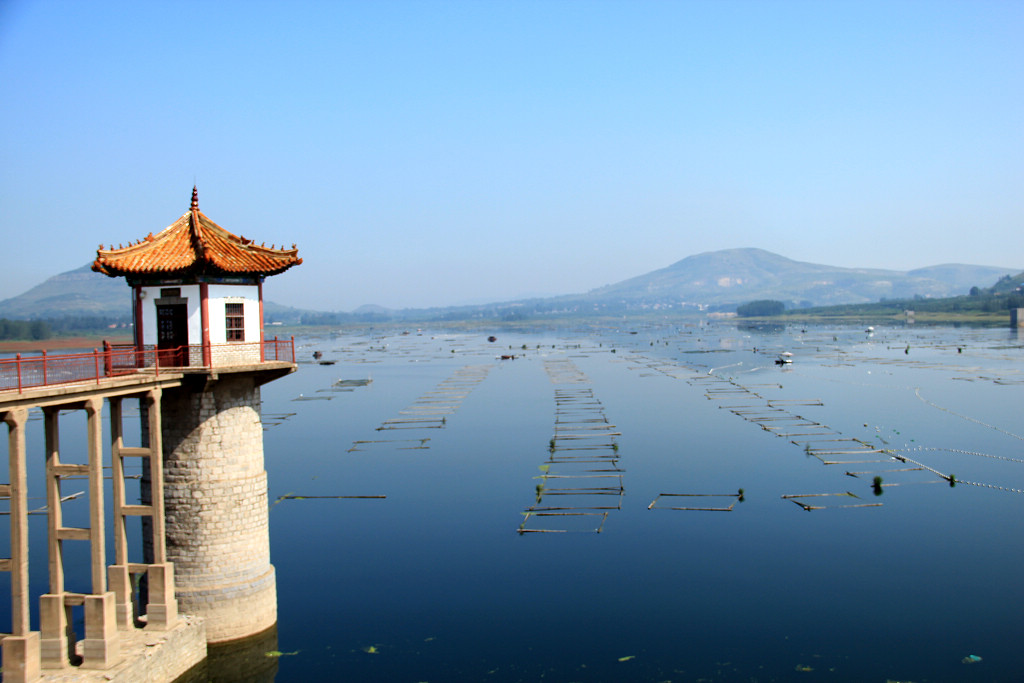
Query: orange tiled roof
x=196, y=245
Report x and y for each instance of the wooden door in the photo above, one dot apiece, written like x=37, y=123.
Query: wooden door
x=172, y=334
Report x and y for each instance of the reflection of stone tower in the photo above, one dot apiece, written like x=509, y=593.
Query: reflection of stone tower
x=198, y=295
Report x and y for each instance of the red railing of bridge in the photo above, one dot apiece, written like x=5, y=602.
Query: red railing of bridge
x=116, y=360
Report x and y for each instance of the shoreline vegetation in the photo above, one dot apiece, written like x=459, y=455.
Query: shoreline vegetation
x=988, y=319
x=795, y=317
x=79, y=341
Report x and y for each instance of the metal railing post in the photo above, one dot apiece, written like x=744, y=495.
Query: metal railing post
x=96, y=364
x=45, y=381
x=17, y=364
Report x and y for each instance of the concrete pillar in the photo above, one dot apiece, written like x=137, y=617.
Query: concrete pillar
x=97, y=536
x=157, y=599
x=215, y=499
x=21, y=651
x=17, y=491
x=57, y=638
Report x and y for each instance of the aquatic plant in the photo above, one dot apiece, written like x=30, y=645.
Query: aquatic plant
x=740, y=496
x=952, y=480
x=877, y=485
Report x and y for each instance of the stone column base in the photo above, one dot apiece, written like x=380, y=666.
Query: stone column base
x=56, y=638
x=21, y=658
x=120, y=581
x=101, y=647
x=162, y=608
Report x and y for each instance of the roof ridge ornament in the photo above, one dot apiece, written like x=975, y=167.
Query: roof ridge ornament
x=195, y=198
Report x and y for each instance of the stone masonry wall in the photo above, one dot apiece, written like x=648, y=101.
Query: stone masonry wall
x=238, y=353
x=216, y=506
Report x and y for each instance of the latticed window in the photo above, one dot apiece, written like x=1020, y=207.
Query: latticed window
x=235, y=322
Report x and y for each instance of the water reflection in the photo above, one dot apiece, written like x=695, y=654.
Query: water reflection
x=251, y=660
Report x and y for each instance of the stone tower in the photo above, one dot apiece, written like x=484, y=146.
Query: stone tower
x=198, y=306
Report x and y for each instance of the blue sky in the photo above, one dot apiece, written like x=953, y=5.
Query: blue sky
x=435, y=153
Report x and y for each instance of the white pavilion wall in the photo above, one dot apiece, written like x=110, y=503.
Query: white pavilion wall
x=224, y=352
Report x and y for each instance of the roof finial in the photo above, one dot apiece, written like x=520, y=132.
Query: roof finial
x=195, y=198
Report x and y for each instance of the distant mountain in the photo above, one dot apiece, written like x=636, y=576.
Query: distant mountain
x=962, y=277
x=78, y=292
x=717, y=280
x=734, y=276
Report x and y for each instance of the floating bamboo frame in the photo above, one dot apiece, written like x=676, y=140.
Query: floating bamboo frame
x=795, y=497
x=529, y=514
x=422, y=444
x=729, y=508
x=443, y=400
x=580, y=426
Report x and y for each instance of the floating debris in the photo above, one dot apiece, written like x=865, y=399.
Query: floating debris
x=352, y=382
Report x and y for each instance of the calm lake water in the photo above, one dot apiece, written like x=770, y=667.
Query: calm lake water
x=447, y=579
x=440, y=514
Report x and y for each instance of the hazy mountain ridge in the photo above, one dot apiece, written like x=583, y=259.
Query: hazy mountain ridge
x=733, y=276
x=717, y=280
x=78, y=292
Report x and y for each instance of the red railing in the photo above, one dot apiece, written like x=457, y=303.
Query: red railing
x=20, y=373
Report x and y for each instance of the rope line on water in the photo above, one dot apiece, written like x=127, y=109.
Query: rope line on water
x=917, y=392
x=963, y=452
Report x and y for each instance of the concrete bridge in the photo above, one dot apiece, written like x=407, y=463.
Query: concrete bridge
x=203, y=502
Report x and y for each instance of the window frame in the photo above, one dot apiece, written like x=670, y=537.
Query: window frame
x=234, y=322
